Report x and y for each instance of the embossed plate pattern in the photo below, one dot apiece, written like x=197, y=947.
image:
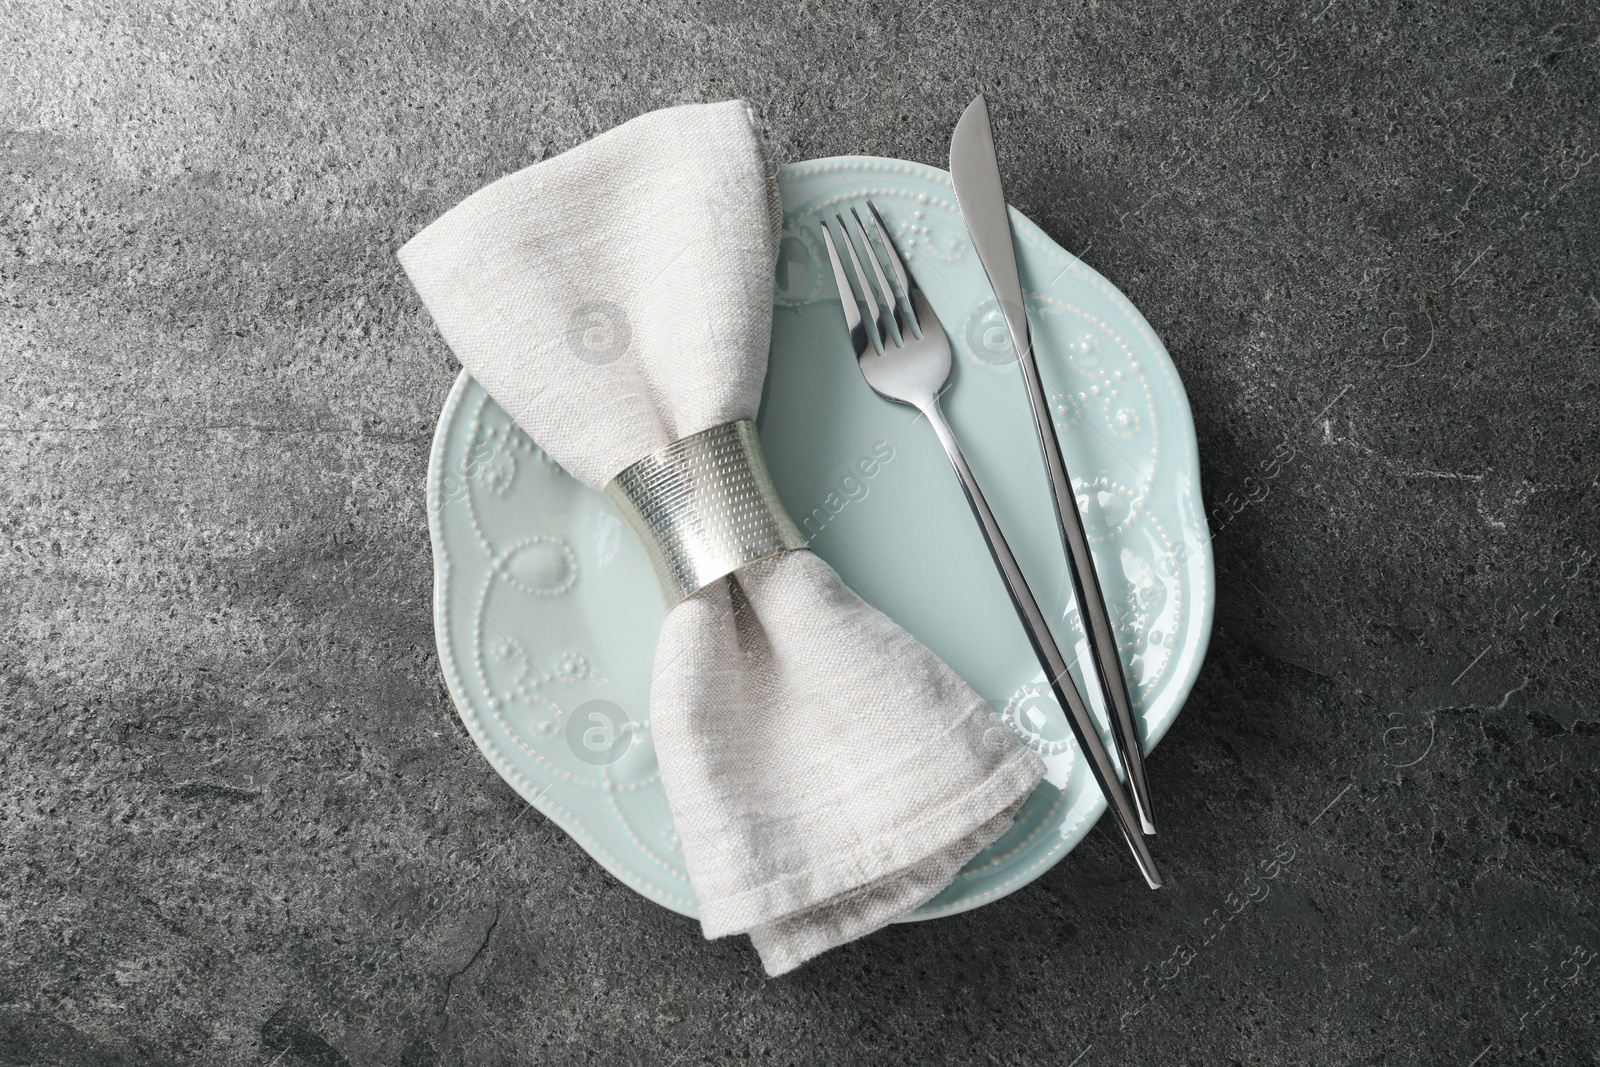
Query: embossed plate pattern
x=547, y=612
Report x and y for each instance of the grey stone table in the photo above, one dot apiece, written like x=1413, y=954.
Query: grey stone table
x=240, y=822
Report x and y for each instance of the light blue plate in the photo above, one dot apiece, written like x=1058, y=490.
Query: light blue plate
x=547, y=613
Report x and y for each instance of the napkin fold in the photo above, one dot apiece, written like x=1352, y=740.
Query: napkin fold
x=827, y=773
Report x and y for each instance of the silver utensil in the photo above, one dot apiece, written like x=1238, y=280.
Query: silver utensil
x=910, y=364
x=976, y=176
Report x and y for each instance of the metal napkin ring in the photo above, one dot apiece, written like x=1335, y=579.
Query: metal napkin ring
x=703, y=507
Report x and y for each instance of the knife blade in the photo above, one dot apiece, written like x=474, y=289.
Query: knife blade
x=975, y=173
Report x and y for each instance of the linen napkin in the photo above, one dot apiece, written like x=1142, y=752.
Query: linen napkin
x=826, y=772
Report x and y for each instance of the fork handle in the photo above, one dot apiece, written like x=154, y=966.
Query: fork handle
x=1044, y=647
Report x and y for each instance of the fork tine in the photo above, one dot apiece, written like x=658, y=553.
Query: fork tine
x=908, y=284
x=847, y=296
x=889, y=297
x=879, y=327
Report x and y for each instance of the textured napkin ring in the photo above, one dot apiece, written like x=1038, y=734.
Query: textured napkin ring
x=703, y=507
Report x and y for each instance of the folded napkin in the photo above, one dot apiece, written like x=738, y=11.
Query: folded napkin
x=826, y=772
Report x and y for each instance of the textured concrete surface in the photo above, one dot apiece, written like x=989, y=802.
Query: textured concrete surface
x=239, y=821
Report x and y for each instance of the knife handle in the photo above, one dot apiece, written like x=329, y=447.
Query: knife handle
x=1086, y=586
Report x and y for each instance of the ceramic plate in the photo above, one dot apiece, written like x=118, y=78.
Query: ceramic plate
x=547, y=613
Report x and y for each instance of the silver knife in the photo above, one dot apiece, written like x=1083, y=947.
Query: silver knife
x=976, y=175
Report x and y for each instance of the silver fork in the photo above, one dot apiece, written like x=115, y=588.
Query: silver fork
x=912, y=368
